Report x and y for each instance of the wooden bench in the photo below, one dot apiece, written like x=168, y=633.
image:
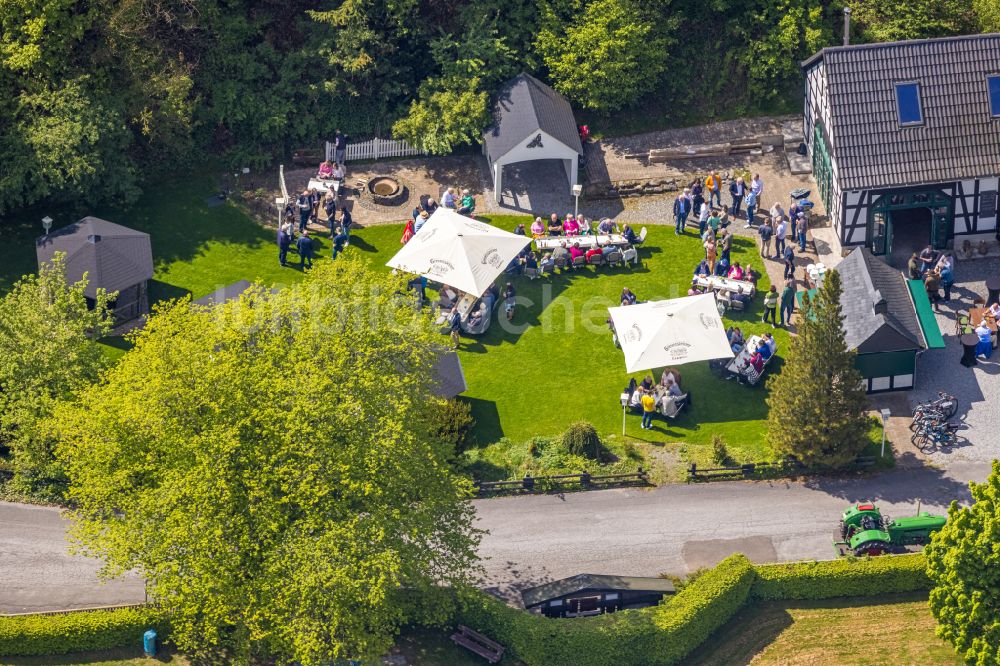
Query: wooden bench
x=475, y=642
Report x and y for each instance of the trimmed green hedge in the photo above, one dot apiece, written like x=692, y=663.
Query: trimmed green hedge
x=664, y=634
x=846, y=577
x=28, y=635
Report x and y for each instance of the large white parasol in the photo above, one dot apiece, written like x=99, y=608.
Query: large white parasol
x=459, y=251
x=661, y=333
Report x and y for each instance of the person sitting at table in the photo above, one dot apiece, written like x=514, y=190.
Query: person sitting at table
x=537, y=228
x=467, y=205
x=547, y=264
x=672, y=389
x=764, y=350
x=628, y=298
x=449, y=200
x=561, y=255
x=519, y=230
x=608, y=249
x=750, y=275
x=994, y=310
x=607, y=226
x=702, y=269
x=593, y=252
x=570, y=226
x=476, y=317
x=555, y=226
x=635, y=402
x=670, y=375
x=771, y=343
x=628, y=235
x=338, y=172
x=419, y=221
x=325, y=171
x=530, y=261
x=722, y=268
x=736, y=272
x=575, y=251
x=584, y=225
x=736, y=340
x=647, y=383
x=985, y=346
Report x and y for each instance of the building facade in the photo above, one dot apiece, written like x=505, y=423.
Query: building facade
x=904, y=139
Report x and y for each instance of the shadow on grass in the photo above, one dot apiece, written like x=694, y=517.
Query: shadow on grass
x=162, y=291
x=488, y=428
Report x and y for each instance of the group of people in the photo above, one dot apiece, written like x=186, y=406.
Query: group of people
x=936, y=269
x=576, y=225
x=466, y=205
x=702, y=197
x=750, y=365
x=648, y=396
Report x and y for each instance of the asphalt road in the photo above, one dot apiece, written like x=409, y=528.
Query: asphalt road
x=672, y=529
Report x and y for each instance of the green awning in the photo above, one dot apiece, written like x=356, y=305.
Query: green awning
x=925, y=315
x=798, y=296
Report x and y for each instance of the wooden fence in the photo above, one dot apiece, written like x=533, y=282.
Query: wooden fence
x=770, y=470
x=584, y=480
x=375, y=149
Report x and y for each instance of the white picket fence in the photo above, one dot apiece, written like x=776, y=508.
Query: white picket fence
x=375, y=149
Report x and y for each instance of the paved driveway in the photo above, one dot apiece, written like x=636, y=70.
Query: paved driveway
x=672, y=529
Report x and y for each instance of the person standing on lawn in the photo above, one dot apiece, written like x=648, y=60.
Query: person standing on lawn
x=765, y=231
x=455, y=320
x=304, y=203
x=305, y=247
x=648, y=408
x=284, y=243
x=770, y=305
x=713, y=184
x=737, y=190
x=787, y=303
x=682, y=207
x=725, y=244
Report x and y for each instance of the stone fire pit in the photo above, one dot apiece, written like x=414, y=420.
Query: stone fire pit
x=386, y=191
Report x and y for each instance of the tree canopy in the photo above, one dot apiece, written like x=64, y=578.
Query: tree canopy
x=963, y=562
x=48, y=352
x=271, y=467
x=817, y=404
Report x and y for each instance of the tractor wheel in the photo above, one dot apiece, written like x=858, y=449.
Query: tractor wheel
x=872, y=548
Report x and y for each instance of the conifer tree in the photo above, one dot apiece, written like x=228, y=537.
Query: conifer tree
x=817, y=403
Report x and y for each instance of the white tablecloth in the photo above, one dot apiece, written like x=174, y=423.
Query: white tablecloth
x=725, y=284
x=748, y=349
x=586, y=242
x=324, y=185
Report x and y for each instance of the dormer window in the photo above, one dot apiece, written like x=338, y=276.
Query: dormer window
x=993, y=85
x=908, y=104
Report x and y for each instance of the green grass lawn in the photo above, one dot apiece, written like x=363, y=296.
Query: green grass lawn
x=893, y=629
x=559, y=366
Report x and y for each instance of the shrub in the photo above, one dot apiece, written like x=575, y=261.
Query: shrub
x=720, y=454
x=581, y=439
x=453, y=422
x=845, y=577
x=74, y=632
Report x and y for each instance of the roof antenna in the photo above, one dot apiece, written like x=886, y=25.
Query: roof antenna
x=847, y=26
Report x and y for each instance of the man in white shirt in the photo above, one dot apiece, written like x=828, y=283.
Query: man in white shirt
x=780, y=232
x=757, y=186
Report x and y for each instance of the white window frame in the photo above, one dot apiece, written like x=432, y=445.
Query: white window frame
x=920, y=104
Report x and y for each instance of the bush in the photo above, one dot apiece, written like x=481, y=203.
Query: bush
x=845, y=577
x=74, y=632
x=453, y=422
x=720, y=454
x=581, y=439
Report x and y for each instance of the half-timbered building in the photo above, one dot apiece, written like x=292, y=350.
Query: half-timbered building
x=905, y=141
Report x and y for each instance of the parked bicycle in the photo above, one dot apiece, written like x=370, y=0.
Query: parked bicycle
x=941, y=409
x=935, y=434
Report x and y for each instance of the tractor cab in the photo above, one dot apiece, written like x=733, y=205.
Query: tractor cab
x=859, y=518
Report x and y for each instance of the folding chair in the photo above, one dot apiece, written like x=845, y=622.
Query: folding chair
x=642, y=236
x=531, y=273
x=613, y=258
x=579, y=262
x=631, y=256
x=596, y=259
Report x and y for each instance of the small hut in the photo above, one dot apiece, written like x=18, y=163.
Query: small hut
x=113, y=257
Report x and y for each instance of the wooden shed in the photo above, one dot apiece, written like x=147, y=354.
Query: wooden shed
x=113, y=257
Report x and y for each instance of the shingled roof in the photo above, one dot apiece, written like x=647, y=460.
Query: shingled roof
x=524, y=106
x=113, y=257
x=878, y=313
x=958, y=138
x=537, y=595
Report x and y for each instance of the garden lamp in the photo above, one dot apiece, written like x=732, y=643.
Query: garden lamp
x=47, y=224
x=577, y=189
x=885, y=419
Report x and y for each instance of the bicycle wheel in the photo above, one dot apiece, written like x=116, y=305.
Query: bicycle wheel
x=921, y=441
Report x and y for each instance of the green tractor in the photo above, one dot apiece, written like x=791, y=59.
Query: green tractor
x=865, y=531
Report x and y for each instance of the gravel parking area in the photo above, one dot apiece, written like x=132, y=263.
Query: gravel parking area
x=977, y=388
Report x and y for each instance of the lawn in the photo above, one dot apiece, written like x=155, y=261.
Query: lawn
x=556, y=366
x=893, y=629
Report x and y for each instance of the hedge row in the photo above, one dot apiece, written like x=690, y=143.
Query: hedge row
x=666, y=634
x=74, y=632
x=661, y=635
x=842, y=578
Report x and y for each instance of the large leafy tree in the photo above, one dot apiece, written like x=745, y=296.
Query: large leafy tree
x=817, y=405
x=888, y=21
x=48, y=352
x=963, y=562
x=270, y=467
x=605, y=54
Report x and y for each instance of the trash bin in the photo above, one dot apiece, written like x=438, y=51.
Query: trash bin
x=149, y=643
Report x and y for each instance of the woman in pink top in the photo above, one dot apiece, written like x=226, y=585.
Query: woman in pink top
x=538, y=228
x=325, y=171
x=571, y=227
x=575, y=251
x=735, y=272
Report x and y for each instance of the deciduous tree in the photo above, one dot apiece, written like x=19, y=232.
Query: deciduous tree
x=48, y=352
x=817, y=405
x=269, y=466
x=963, y=562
